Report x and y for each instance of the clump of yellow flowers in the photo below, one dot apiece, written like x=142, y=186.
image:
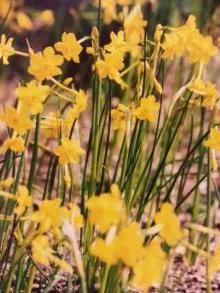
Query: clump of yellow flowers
x=124, y=240
x=91, y=177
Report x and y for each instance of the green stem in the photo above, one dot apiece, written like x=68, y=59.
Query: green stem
x=34, y=155
x=96, y=134
x=104, y=279
x=208, y=222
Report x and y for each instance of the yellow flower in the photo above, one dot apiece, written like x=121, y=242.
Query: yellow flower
x=109, y=10
x=81, y=100
x=201, y=49
x=106, y=209
x=117, y=43
x=69, y=47
x=6, y=49
x=198, y=86
x=24, y=21
x=129, y=243
x=106, y=252
x=186, y=39
x=42, y=253
x=170, y=225
x=147, y=110
x=171, y=46
x=23, y=200
x=6, y=182
x=214, y=140
x=16, y=144
x=4, y=7
x=69, y=151
x=211, y=95
x=110, y=66
x=32, y=96
x=149, y=270
x=134, y=26
x=177, y=41
x=50, y=216
x=47, y=17
x=17, y=120
x=207, y=90
x=41, y=250
x=45, y=65
x=126, y=246
x=119, y=118
x=80, y=105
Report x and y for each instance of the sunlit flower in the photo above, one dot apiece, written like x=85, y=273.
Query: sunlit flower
x=177, y=41
x=69, y=151
x=147, y=110
x=211, y=95
x=198, y=86
x=106, y=252
x=15, y=144
x=119, y=117
x=186, y=39
x=42, y=253
x=50, y=216
x=4, y=7
x=32, y=96
x=45, y=65
x=47, y=17
x=207, y=90
x=134, y=26
x=24, y=200
x=81, y=100
x=109, y=10
x=69, y=47
x=214, y=139
x=41, y=249
x=6, y=49
x=117, y=43
x=110, y=67
x=79, y=106
x=148, y=271
x=170, y=225
x=6, y=182
x=105, y=210
x=201, y=49
x=17, y=120
x=24, y=20
x=129, y=244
